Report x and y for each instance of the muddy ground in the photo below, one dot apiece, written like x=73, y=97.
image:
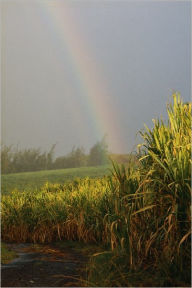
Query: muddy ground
x=44, y=266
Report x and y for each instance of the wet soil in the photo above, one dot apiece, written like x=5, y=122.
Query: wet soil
x=44, y=266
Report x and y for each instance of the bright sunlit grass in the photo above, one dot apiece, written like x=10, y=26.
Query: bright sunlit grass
x=140, y=214
x=34, y=180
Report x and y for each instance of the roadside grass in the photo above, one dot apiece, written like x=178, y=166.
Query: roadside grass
x=7, y=255
x=72, y=211
x=139, y=214
x=34, y=180
x=87, y=249
x=151, y=233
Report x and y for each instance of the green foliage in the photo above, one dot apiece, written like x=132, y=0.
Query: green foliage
x=18, y=160
x=151, y=227
x=6, y=254
x=6, y=155
x=76, y=158
x=72, y=211
x=169, y=155
x=140, y=212
x=14, y=160
x=98, y=154
x=34, y=180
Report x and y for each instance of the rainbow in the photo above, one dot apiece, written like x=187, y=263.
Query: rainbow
x=87, y=73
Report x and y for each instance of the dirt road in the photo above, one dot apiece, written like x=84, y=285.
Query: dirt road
x=44, y=266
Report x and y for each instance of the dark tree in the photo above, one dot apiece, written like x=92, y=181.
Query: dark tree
x=98, y=154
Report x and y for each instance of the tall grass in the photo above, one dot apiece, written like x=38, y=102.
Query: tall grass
x=71, y=211
x=152, y=229
x=140, y=213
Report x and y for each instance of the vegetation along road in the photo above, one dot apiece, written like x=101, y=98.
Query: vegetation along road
x=139, y=216
x=53, y=265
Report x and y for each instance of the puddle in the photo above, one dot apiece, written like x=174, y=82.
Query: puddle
x=22, y=258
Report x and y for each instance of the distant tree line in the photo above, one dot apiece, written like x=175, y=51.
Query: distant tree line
x=22, y=160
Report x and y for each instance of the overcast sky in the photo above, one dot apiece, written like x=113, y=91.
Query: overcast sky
x=73, y=71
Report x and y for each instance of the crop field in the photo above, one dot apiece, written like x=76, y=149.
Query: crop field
x=34, y=180
x=139, y=214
